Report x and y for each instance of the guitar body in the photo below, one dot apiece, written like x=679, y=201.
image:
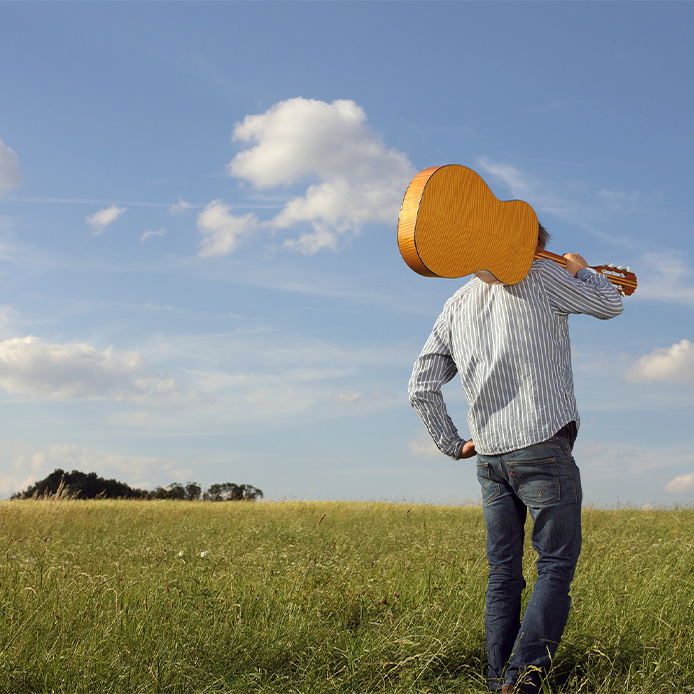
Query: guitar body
x=452, y=225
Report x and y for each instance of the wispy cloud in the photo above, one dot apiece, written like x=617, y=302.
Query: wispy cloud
x=151, y=233
x=254, y=375
x=423, y=446
x=45, y=200
x=626, y=201
x=522, y=185
x=346, y=398
x=667, y=277
x=609, y=460
x=571, y=201
x=10, y=177
x=180, y=206
x=101, y=219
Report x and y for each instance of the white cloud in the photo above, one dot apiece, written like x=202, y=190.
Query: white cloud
x=522, y=185
x=423, y=446
x=682, y=484
x=180, y=206
x=101, y=219
x=353, y=179
x=345, y=398
x=309, y=243
x=10, y=177
x=666, y=276
x=27, y=463
x=151, y=233
x=574, y=201
x=221, y=231
x=251, y=376
x=615, y=468
x=300, y=138
x=71, y=371
x=674, y=364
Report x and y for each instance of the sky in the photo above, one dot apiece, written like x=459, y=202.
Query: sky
x=199, y=272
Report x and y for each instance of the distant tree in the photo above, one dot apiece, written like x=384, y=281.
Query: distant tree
x=250, y=493
x=214, y=493
x=193, y=491
x=81, y=485
x=228, y=491
x=176, y=491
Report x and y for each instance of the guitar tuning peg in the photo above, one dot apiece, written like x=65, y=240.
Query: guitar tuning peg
x=619, y=267
x=628, y=269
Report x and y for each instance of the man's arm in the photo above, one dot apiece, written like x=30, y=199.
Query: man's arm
x=433, y=369
x=581, y=289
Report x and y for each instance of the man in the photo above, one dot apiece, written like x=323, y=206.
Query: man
x=510, y=345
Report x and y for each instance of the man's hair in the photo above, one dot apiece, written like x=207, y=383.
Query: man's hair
x=543, y=236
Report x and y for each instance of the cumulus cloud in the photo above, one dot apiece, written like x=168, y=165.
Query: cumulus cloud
x=221, y=231
x=101, y=219
x=74, y=371
x=352, y=178
x=682, y=484
x=674, y=364
x=10, y=177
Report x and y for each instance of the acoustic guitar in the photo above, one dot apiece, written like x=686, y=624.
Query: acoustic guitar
x=452, y=225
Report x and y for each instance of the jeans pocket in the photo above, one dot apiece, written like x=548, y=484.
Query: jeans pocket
x=491, y=489
x=537, y=480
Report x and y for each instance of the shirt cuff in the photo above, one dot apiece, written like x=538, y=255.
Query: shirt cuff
x=458, y=449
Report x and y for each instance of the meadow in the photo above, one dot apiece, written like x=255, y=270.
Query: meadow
x=318, y=597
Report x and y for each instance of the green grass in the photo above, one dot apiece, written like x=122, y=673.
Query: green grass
x=114, y=596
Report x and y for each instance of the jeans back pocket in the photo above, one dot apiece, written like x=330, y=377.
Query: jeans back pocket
x=537, y=481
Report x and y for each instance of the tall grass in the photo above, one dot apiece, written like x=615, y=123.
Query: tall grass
x=131, y=596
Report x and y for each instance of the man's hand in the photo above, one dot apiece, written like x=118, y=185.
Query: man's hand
x=574, y=262
x=468, y=450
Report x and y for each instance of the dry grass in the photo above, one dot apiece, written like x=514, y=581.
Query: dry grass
x=132, y=596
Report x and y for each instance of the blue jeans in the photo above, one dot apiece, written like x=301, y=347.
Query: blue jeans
x=544, y=480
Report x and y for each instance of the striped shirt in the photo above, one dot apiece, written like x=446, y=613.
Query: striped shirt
x=510, y=345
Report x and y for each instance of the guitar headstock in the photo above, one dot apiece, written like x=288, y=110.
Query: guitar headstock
x=623, y=279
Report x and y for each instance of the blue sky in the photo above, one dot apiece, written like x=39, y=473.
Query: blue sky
x=199, y=272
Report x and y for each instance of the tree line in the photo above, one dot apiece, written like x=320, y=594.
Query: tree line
x=88, y=485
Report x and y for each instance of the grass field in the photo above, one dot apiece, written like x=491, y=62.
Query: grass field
x=132, y=596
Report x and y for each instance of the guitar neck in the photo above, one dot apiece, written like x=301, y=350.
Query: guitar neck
x=548, y=255
x=623, y=280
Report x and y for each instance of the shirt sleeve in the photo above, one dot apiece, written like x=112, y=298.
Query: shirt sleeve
x=588, y=292
x=433, y=369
